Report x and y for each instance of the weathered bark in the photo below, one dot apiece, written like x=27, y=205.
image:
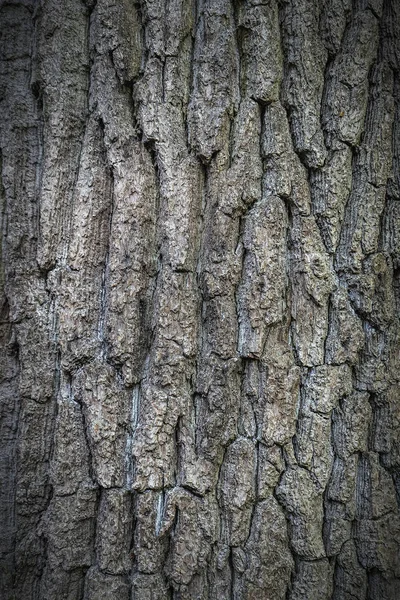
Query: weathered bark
x=200, y=295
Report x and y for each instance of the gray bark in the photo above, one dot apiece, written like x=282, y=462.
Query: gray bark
x=200, y=290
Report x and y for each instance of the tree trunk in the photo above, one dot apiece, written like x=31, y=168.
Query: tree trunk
x=200, y=293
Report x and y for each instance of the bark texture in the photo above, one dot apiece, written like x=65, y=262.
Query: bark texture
x=200, y=293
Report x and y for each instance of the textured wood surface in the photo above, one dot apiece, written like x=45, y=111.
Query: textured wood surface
x=200, y=292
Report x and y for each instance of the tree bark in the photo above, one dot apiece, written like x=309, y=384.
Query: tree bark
x=200, y=291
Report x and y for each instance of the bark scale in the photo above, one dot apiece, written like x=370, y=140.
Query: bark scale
x=200, y=292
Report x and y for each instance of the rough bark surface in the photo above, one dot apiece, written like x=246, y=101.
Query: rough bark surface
x=200, y=292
